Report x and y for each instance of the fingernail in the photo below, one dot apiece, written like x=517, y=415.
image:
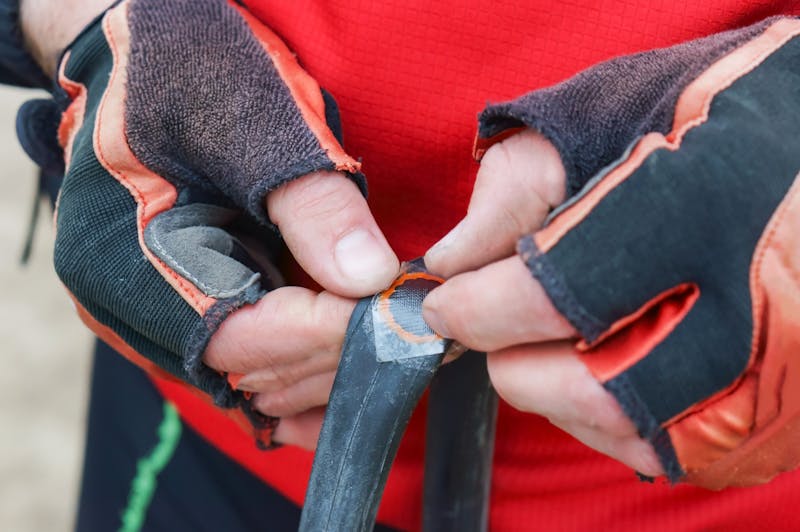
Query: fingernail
x=246, y=388
x=362, y=257
x=447, y=240
x=247, y=384
x=455, y=350
x=260, y=381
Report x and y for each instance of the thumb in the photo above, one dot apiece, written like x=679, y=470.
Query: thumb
x=520, y=180
x=330, y=231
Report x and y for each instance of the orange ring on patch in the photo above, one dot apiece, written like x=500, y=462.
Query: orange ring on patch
x=386, y=313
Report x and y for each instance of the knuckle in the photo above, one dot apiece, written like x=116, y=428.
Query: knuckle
x=330, y=315
x=318, y=196
x=285, y=308
x=498, y=159
x=513, y=221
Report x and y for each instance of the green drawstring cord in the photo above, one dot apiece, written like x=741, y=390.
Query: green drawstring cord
x=148, y=468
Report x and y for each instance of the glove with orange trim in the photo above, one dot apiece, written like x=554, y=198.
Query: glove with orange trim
x=679, y=262
x=179, y=118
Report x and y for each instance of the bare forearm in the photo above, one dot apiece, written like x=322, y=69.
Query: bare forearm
x=50, y=25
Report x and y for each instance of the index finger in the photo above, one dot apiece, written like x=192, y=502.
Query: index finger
x=286, y=326
x=498, y=306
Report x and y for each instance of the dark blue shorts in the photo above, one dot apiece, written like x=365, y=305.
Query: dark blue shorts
x=145, y=470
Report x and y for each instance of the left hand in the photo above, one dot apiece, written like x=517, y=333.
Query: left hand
x=156, y=267
x=676, y=259
x=286, y=346
x=501, y=309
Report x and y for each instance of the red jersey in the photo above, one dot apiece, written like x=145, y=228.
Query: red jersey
x=410, y=78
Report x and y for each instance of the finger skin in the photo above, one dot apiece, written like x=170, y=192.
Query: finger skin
x=632, y=451
x=301, y=430
x=305, y=394
x=278, y=377
x=288, y=325
x=287, y=346
x=329, y=229
x=519, y=181
x=497, y=306
x=550, y=380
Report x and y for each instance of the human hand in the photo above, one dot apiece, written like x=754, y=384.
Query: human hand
x=676, y=264
x=491, y=303
x=286, y=346
x=286, y=349
x=164, y=176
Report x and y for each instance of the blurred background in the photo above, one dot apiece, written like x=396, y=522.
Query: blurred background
x=44, y=357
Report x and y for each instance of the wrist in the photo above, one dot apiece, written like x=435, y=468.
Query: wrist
x=49, y=26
